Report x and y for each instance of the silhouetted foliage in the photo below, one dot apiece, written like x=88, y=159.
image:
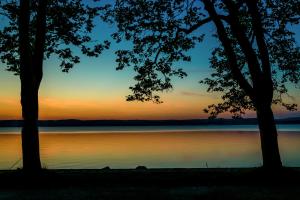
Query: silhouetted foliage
x=270, y=53
x=163, y=31
x=34, y=30
x=157, y=29
x=69, y=24
x=257, y=57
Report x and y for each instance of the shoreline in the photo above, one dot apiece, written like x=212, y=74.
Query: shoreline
x=175, y=131
x=141, y=122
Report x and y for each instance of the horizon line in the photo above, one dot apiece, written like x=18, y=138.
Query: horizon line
x=74, y=119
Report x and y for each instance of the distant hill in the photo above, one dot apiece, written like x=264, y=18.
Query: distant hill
x=75, y=122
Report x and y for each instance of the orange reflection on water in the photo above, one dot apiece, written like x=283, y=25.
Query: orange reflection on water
x=154, y=150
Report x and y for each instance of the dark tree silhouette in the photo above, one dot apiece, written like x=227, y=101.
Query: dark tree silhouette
x=33, y=30
x=257, y=57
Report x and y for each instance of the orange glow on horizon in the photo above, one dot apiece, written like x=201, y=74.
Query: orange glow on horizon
x=92, y=109
x=118, y=108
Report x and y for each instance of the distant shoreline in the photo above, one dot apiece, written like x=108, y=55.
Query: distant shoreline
x=190, y=122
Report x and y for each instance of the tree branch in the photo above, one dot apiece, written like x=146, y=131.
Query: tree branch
x=40, y=38
x=193, y=27
x=239, y=32
x=259, y=32
x=24, y=41
x=236, y=72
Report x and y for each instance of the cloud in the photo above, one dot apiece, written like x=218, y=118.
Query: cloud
x=189, y=93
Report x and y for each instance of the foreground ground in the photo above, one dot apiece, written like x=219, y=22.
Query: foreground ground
x=151, y=184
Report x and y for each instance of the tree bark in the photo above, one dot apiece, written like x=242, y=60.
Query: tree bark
x=268, y=137
x=30, y=80
x=30, y=132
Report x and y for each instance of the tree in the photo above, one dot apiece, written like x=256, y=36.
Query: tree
x=256, y=60
x=34, y=30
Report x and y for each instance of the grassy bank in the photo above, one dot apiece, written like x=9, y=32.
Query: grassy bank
x=152, y=184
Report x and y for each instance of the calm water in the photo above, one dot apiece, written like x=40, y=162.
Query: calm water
x=154, y=147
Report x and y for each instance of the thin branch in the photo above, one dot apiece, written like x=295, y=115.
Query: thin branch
x=193, y=27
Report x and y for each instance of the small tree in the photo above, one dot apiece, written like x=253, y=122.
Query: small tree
x=34, y=30
x=257, y=57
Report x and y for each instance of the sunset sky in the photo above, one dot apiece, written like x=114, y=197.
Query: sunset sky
x=93, y=89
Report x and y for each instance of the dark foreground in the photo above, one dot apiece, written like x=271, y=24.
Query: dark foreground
x=142, y=184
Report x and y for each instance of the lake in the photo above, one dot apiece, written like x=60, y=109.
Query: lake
x=150, y=146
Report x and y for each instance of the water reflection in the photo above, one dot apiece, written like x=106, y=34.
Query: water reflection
x=154, y=150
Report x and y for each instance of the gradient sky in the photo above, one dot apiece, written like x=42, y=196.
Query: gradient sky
x=93, y=89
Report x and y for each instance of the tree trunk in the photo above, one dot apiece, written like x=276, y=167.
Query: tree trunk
x=31, y=73
x=29, y=94
x=30, y=133
x=268, y=137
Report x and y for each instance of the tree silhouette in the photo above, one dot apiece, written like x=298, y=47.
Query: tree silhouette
x=256, y=60
x=34, y=30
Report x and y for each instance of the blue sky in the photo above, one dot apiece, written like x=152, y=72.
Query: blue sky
x=93, y=89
